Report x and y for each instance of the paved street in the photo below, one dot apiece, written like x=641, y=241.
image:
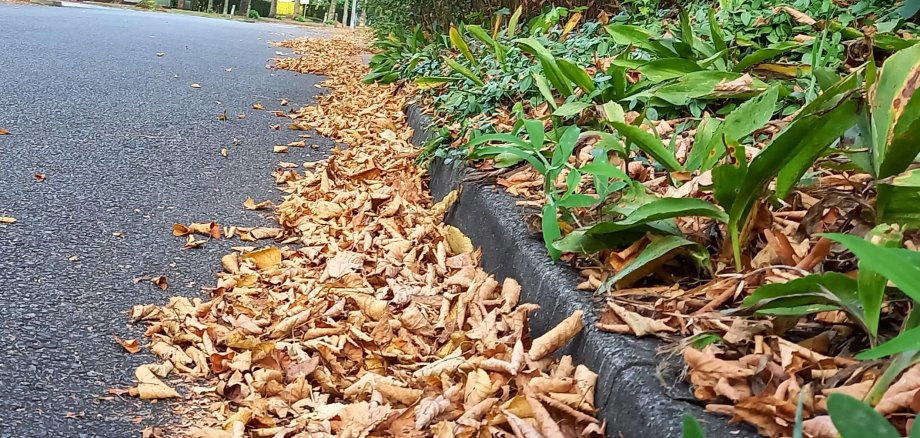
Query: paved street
x=128, y=148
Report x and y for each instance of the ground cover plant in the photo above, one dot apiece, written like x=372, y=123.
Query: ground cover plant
x=739, y=179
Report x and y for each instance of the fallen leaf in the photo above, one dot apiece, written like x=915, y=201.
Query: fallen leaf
x=458, y=242
x=251, y=204
x=280, y=149
x=4, y=132
x=258, y=106
x=224, y=152
x=160, y=282
x=558, y=336
x=7, y=220
x=39, y=177
x=130, y=345
x=264, y=258
x=161, y=53
x=196, y=86
x=284, y=102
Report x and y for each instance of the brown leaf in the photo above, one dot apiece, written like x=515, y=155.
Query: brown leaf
x=258, y=106
x=160, y=282
x=7, y=220
x=196, y=86
x=638, y=324
x=900, y=394
x=558, y=336
x=130, y=345
x=4, y=132
x=264, y=258
x=39, y=177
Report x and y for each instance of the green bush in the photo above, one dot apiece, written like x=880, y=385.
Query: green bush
x=253, y=14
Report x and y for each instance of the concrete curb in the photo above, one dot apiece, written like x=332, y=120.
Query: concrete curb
x=46, y=2
x=630, y=396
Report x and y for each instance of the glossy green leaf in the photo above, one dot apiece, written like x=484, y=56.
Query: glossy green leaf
x=855, y=419
x=765, y=53
x=663, y=69
x=624, y=34
x=871, y=283
x=649, y=144
x=898, y=265
x=652, y=256
x=784, y=156
x=908, y=340
x=743, y=121
x=894, y=105
x=898, y=199
x=691, y=428
x=479, y=33
x=513, y=21
x=701, y=85
x=459, y=68
x=576, y=74
x=545, y=89
x=491, y=151
x=715, y=31
x=704, y=142
x=662, y=208
x=535, y=132
x=548, y=62
x=551, y=230
x=807, y=295
x=571, y=109
x=457, y=41
x=826, y=129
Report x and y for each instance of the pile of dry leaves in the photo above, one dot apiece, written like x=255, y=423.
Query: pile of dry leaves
x=374, y=318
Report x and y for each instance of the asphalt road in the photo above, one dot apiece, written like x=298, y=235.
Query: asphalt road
x=128, y=148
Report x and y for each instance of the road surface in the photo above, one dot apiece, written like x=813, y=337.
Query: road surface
x=128, y=148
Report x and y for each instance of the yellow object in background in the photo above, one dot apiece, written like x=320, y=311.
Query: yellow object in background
x=285, y=8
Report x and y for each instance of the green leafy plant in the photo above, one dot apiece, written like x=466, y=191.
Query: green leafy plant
x=253, y=14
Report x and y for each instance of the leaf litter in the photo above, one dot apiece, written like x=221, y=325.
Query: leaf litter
x=373, y=317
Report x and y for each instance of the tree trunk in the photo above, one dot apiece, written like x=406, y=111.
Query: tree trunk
x=244, y=7
x=272, y=9
x=226, y=5
x=330, y=13
x=210, y=5
x=345, y=15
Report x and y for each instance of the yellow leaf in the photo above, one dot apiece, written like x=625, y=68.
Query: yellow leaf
x=7, y=220
x=457, y=241
x=264, y=258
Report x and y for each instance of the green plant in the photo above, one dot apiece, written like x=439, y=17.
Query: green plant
x=253, y=14
x=148, y=4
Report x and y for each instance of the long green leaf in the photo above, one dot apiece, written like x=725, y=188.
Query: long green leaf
x=765, y=53
x=662, y=208
x=510, y=150
x=895, y=108
x=624, y=34
x=652, y=256
x=908, y=340
x=807, y=295
x=513, y=21
x=744, y=120
x=897, y=199
x=576, y=74
x=571, y=109
x=503, y=138
x=545, y=89
x=871, y=283
x=663, y=69
x=548, y=62
x=855, y=419
x=691, y=428
x=649, y=144
x=479, y=33
x=827, y=128
x=459, y=43
x=715, y=31
x=551, y=230
x=459, y=68
x=788, y=150
x=900, y=266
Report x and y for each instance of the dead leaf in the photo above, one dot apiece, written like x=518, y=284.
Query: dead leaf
x=7, y=220
x=4, y=132
x=251, y=204
x=130, y=345
x=160, y=282
x=196, y=86
x=264, y=258
x=558, y=336
x=258, y=106
x=39, y=177
x=161, y=53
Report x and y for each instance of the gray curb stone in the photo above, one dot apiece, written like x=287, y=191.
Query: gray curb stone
x=630, y=396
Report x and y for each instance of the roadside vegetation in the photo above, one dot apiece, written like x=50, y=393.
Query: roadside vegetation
x=737, y=178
